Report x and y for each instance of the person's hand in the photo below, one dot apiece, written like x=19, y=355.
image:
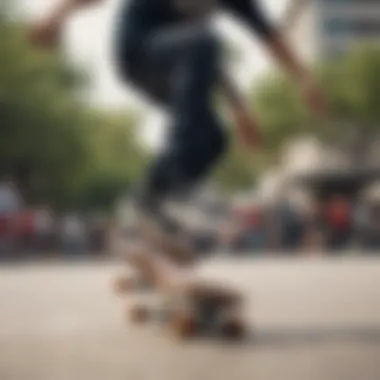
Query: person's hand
x=314, y=98
x=248, y=131
x=46, y=34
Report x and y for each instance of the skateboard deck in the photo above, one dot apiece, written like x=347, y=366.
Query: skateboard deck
x=200, y=310
x=186, y=308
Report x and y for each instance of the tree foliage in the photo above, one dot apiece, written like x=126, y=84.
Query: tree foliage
x=239, y=168
x=352, y=88
x=57, y=148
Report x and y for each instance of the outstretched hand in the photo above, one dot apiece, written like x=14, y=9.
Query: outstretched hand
x=48, y=33
x=45, y=34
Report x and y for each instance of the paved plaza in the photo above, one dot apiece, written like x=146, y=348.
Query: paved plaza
x=310, y=319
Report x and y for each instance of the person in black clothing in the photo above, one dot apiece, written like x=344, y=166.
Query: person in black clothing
x=168, y=50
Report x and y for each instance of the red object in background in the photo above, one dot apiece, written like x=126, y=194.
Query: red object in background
x=251, y=218
x=25, y=224
x=254, y=218
x=4, y=225
x=338, y=214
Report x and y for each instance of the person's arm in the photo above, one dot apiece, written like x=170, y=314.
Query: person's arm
x=298, y=72
x=246, y=126
x=47, y=32
x=253, y=16
x=292, y=13
x=232, y=93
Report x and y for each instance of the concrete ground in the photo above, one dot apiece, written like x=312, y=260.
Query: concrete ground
x=310, y=319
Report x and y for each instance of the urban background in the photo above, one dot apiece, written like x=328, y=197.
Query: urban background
x=67, y=166
x=302, y=212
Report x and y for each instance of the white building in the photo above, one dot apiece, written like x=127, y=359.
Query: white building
x=326, y=28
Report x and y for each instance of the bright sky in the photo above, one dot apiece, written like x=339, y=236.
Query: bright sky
x=88, y=44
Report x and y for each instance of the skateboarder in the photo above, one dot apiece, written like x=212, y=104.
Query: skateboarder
x=168, y=50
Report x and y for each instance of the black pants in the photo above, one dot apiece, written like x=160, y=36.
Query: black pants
x=179, y=68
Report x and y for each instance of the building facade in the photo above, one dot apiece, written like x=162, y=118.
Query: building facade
x=328, y=28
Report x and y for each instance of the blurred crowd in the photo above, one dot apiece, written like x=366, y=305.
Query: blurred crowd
x=38, y=230
x=336, y=224
x=332, y=225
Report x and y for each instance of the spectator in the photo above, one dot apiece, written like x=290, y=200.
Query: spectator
x=97, y=234
x=291, y=227
x=4, y=235
x=339, y=221
x=361, y=223
x=313, y=238
x=43, y=225
x=10, y=204
x=253, y=228
x=73, y=234
x=372, y=240
x=24, y=231
x=10, y=200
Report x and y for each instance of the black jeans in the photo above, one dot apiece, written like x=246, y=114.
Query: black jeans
x=179, y=68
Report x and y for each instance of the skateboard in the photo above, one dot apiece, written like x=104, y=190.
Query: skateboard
x=189, y=306
x=191, y=310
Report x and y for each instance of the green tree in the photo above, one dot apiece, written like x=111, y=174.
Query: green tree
x=117, y=162
x=239, y=168
x=41, y=130
x=352, y=87
x=51, y=142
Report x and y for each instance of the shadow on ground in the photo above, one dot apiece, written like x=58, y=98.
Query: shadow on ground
x=291, y=337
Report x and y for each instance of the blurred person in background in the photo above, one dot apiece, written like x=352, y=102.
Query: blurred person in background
x=10, y=199
x=4, y=232
x=244, y=231
x=10, y=205
x=97, y=234
x=73, y=235
x=361, y=221
x=228, y=233
x=168, y=50
x=372, y=230
x=44, y=225
x=234, y=232
x=24, y=231
x=339, y=223
x=291, y=225
x=251, y=228
x=255, y=226
x=314, y=231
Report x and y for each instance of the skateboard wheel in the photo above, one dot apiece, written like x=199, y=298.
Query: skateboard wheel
x=139, y=314
x=184, y=326
x=233, y=329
